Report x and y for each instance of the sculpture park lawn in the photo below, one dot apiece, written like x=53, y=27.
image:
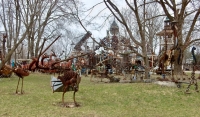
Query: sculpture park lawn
x=96, y=99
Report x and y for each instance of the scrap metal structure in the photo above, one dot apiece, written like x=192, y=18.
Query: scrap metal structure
x=193, y=80
x=167, y=41
x=114, y=54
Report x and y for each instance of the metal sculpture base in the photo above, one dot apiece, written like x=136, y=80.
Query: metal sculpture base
x=66, y=104
x=71, y=105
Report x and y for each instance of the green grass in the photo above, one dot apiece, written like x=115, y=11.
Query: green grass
x=96, y=99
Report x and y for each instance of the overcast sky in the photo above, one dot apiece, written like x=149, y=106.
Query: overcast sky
x=95, y=11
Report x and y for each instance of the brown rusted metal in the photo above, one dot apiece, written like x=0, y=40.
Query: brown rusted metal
x=49, y=46
x=37, y=62
x=69, y=59
x=69, y=81
x=193, y=80
x=6, y=71
x=42, y=47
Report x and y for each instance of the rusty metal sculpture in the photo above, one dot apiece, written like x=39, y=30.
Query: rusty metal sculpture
x=47, y=64
x=6, y=71
x=21, y=74
x=35, y=60
x=67, y=82
x=79, y=44
x=166, y=57
x=193, y=80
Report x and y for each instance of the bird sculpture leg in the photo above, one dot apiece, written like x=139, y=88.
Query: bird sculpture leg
x=75, y=90
x=64, y=91
x=22, y=86
x=17, y=86
x=74, y=98
x=63, y=97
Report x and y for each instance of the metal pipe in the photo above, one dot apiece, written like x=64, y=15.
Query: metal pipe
x=49, y=46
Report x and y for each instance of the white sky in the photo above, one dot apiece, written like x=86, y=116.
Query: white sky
x=95, y=11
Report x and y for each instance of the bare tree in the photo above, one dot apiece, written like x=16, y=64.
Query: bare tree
x=15, y=31
x=151, y=21
x=186, y=14
x=31, y=21
x=44, y=18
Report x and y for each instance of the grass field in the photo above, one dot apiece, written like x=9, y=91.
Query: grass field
x=96, y=99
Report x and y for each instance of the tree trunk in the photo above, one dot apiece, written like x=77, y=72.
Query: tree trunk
x=146, y=68
x=178, y=61
x=32, y=47
x=37, y=47
x=146, y=61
